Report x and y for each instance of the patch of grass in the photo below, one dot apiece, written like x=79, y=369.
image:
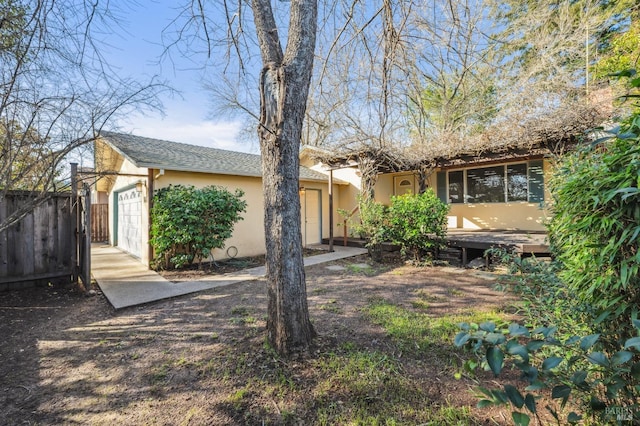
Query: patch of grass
x=238, y=397
x=360, y=387
x=454, y=292
x=420, y=304
x=331, y=306
x=424, y=299
x=160, y=374
x=241, y=316
x=418, y=331
x=320, y=290
x=240, y=311
x=368, y=270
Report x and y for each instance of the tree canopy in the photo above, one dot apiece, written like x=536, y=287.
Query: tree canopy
x=57, y=91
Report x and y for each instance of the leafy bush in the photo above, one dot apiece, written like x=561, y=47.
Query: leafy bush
x=575, y=369
x=372, y=226
x=591, y=293
x=596, y=225
x=188, y=223
x=417, y=223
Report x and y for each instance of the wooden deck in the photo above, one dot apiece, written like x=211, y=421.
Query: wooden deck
x=522, y=243
x=473, y=243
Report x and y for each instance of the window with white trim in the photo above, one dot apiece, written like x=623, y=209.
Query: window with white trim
x=505, y=183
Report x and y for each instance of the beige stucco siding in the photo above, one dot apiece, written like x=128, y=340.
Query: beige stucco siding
x=248, y=234
x=515, y=215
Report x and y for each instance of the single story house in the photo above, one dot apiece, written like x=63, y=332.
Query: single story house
x=132, y=167
x=495, y=181
x=510, y=194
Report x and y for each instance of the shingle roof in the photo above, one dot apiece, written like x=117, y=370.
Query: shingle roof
x=160, y=154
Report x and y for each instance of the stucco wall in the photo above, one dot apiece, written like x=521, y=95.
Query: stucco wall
x=248, y=234
x=516, y=215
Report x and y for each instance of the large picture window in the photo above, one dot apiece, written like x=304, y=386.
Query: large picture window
x=517, y=184
x=485, y=185
x=497, y=184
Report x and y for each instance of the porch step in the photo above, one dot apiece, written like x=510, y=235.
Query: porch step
x=452, y=255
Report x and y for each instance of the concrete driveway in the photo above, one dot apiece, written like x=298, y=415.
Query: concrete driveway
x=126, y=282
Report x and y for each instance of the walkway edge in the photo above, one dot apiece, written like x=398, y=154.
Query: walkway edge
x=126, y=282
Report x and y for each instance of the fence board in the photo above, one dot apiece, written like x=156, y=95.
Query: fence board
x=99, y=223
x=39, y=246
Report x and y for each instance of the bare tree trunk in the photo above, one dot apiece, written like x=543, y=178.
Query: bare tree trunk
x=284, y=87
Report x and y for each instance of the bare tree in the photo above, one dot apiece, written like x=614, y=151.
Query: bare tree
x=247, y=38
x=57, y=92
x=545, y=50
x=284, y=87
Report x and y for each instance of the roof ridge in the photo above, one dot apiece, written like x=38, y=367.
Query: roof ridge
x=120, y=134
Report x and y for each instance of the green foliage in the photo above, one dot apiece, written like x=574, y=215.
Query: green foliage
x=544, y=298
x=622, y=52
x=187, y=223
x=372, y=226
x=590, y=356
x=417, y=223
x=596, y=224
x=597, y=382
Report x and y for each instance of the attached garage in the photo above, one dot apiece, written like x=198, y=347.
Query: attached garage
x=134, y=167
x=129, y=221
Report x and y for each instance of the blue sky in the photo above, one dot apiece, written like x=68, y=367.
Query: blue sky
x=135, y=51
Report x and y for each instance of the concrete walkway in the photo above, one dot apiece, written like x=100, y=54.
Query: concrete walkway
x=127, y=282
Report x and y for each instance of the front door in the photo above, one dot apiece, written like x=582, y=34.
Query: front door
x=310, y=211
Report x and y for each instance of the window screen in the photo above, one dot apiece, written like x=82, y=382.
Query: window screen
x=517, y=182
x=536, y=182
x=486, y=185
x=456, y=187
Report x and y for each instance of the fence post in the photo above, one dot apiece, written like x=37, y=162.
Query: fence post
x=75, y=228
x=86, y=261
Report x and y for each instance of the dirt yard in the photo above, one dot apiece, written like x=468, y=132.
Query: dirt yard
x=201, y=359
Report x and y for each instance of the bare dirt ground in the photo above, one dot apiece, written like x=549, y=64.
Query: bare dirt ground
x=201, y=359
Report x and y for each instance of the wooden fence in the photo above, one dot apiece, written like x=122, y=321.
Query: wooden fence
x=42, y=247
x=99, y=223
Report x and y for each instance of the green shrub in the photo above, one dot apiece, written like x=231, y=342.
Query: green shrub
x=597, y=382
x=372, y=226
x=417, y=223
x=188, y=223
x=581, y=338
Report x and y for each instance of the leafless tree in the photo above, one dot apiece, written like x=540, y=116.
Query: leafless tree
x=282, y=76
x=57, y=92
x=546, y=49
x=451, y=90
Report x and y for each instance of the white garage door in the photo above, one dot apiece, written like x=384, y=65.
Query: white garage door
x=130, y=221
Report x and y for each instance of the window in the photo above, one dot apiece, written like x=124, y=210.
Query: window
x=498, y=184
x=485, y=185
x=456, y=187
x=404, y=184
x=517, y=185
